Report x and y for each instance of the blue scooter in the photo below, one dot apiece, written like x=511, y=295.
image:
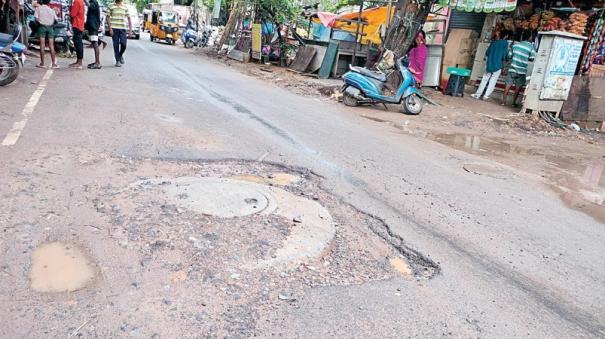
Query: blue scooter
x=363, y=86
x=12, y=56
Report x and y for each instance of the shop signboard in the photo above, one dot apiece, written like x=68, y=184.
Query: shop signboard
x=256, y=41
x=561, y=68
x=487, y=6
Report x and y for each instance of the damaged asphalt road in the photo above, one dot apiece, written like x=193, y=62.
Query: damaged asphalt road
x=402, y=240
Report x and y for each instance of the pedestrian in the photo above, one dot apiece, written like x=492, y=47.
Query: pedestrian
x=418, y=55
x=93, y=21
x=496, y=55
x=117, y=19
x=76, y=12
x=46, y=17
x=521, y=54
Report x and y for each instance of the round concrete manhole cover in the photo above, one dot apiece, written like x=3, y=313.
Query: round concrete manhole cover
x=221, y=198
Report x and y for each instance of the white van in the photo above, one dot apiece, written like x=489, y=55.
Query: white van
x=135, y=21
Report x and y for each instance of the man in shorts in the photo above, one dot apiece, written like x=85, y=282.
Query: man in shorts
x=93, y=21
x=46, y=17
x=521, y=54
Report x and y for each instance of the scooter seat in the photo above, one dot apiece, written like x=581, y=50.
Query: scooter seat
x=5, y=39
x=374, y=75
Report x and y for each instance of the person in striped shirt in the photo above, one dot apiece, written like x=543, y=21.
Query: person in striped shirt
x=521, y=54
x=118, y=21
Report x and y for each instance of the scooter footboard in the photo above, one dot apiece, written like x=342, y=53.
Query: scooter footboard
x=368, y=86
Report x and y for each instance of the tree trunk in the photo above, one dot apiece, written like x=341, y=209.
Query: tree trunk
x=408, y=21
x=230, y=26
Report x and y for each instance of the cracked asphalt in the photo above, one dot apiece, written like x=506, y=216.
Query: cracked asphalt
x=479, y=256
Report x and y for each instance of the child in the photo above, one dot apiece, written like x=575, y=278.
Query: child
x=46, y=17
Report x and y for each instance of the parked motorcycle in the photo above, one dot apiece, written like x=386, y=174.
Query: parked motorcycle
x=189, y=38
x=12, y=56
x=363, y=86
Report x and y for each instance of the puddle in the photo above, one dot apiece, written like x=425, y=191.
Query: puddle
x=579, y=183
x=59, y=267
x=474, y=143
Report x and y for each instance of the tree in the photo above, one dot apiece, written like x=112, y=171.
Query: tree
x=277, y=12
x=408, y=21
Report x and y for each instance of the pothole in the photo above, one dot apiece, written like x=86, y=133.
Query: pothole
x=59, y=267
x=222, y=235
x=312, y=227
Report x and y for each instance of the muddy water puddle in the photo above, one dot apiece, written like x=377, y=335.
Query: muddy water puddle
x=580, y=183
x=60, y=267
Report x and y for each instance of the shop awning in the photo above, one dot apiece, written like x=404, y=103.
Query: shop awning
x=485, y=6
x=374, y=17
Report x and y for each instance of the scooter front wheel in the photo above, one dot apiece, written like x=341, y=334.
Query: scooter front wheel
x=412, y=105
x=189, y=44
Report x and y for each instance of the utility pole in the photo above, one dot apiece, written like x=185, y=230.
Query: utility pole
x=197, y=28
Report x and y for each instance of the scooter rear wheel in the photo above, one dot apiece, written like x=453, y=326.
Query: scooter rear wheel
x=412, y=105
x=349, y=100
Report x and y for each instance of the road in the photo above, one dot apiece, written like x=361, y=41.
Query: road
x=422, y=248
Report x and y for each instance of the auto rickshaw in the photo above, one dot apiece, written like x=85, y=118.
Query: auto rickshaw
x=165, y=26
x=147, y=20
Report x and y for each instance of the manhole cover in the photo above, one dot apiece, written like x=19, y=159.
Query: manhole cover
x=221, y=198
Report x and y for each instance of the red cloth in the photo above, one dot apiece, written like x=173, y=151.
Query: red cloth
x=76, y=12
x=326, y=18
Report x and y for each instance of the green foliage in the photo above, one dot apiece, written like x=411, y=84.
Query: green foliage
x=333, y=5
x=140, y=4
x=277, y=11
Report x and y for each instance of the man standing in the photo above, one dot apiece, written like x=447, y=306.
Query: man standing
x=496, y=55
x=93, y=21
x=116, y=21
x=522, y=53
x=76, y=13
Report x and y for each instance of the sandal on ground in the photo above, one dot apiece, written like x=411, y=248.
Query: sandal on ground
x=41, y=66
x=94, y=66
x=55, y=66
x=75, y=66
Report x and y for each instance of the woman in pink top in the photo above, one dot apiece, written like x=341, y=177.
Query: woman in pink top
x=418, y=55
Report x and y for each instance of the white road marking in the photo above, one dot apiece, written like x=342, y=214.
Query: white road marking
x=15, y=132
